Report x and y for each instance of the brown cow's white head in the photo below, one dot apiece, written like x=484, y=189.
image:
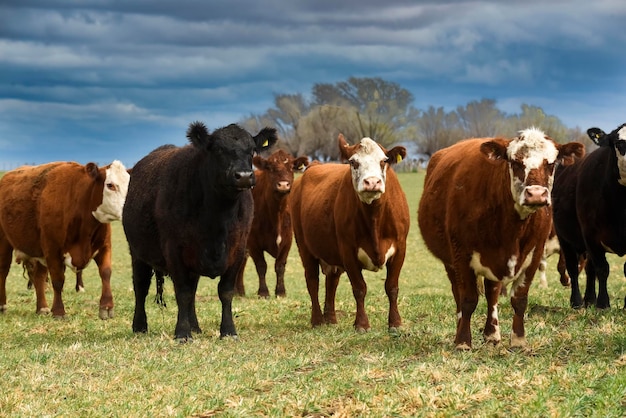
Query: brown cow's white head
x=114, y=193
x=531, y=159
x=368, y=165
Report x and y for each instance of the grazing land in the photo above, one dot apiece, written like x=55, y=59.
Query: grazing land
x=575, y=364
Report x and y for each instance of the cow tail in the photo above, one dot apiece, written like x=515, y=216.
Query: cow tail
x=160, y=280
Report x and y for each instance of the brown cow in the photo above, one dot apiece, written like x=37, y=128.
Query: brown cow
x=484, y=213
x=58, y=214
x=349, y=218
x=271, y=227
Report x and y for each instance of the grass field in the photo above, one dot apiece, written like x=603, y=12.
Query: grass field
x=280, y=366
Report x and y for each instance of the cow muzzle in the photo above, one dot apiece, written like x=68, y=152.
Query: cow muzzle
x=536, y=196
x=244, y=180
x=283, y=187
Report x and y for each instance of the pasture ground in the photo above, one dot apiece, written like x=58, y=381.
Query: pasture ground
x=280, y=366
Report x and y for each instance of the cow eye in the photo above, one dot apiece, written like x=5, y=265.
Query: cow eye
x=354, y=164
x=111, y=186
x=621, y=147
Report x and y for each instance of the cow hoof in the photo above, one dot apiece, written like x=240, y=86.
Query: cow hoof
x=463, y=347
x=394, y=331
x=43, y=311
x=80, y=289
x=233, y=337
x=3, y=308
x=106, y=313
x=183, y=340
x=361, y=330
x=518, y=342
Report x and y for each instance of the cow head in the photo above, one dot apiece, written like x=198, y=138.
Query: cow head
x=368, y=165
x=617, y=140
x=279, y=167
x=227, y=153
x=531, y=159
x=116, y=180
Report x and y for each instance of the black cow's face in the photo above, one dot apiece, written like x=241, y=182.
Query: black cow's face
x=229, y=153
x=617, y=140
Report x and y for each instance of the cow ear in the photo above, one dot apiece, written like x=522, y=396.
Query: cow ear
x=345, y=150
x=300, y=163
x=198, y=134
x=265, y=139
x=495, y=149
x=596, y=135
x=93, y=170
x=396, y=155
x=570, y=152
x=259, y=162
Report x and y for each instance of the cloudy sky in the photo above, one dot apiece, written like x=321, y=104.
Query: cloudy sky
x=97, y=80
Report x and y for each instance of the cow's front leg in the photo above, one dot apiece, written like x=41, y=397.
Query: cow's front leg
x=492, y=326
x=103, y=260
x=185, y=286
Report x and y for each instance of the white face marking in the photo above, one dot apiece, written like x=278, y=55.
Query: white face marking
x=534, y=149
x=114, y=194
x=279, y=239
x=368, y=178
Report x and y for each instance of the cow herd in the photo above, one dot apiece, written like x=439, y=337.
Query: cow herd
x=488, y=208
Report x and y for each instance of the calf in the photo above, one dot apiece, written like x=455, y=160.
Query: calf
x=55, y=216
x=590, y=213
x=188, y=214
x=271, y=225
x=349, y=218
x=484, y=213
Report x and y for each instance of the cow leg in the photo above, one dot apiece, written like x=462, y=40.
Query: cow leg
x=332, y=281
x=240, y=288
x=103, y=260
x=142, y=276
x=40, y=279
x=394, y=266
x=492, y=326
x=56, y=268
x=185, y=286
x=597, y=261
x=519, y=301
x=560, y=266
x=261, y=271
x=5, y=265
x=80, y=286
x=279, y=267
x=543, y=281
x=590, y=289
x=359, y=290
x=225, y=290
x=468, y=299
x=311, y=275
x=571, y=266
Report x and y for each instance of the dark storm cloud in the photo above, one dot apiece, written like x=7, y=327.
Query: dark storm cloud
x=113, y=79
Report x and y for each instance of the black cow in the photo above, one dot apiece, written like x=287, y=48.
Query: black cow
x=589, y=205
x=188, y=214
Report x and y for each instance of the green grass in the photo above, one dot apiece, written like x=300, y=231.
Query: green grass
x=280, y=366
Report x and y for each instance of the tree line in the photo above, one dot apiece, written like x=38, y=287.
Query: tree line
x=383, y=110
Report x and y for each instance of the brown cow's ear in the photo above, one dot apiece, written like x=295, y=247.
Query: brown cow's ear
x=92, y=170
x=345, y=150
x=495, y=149
x=570, y=152
x=301, y=163
x=259, y=162
x=396, y=154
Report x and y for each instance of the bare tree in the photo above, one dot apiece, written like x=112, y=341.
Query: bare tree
x=480, y=118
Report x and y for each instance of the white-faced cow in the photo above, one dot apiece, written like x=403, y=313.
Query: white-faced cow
x=271, y=230
x=349, y=218
x=590, y=213
x=188, y=214
x=55, y=216
x=484, y=213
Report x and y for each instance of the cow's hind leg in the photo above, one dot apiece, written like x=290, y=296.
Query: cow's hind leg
x=332, y=281
x=40, y=278
x=571, y=266
x=103, y=260
x=394, y=266
x=56, y=268
x=142, y=276
x=311, y=275
x=590, y=289
x=5, y=265
x=261, y=270
x=467, y=301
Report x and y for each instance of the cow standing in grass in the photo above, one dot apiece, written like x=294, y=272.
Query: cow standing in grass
x=55, y=216
x=349, y=218
x=271, y=230
x=188, y=214
x=590, y=213
x=484, y=213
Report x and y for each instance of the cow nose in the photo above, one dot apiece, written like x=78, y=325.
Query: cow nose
x=536, y=195
x=372, y=184
x=244, y=179
x=283, y=186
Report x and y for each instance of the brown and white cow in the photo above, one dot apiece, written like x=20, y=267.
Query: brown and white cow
x=349, y=218
x=484, y=213
x=58, y=215
x=271, y=226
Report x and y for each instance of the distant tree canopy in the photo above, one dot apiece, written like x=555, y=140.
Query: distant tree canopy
x=383, y=111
